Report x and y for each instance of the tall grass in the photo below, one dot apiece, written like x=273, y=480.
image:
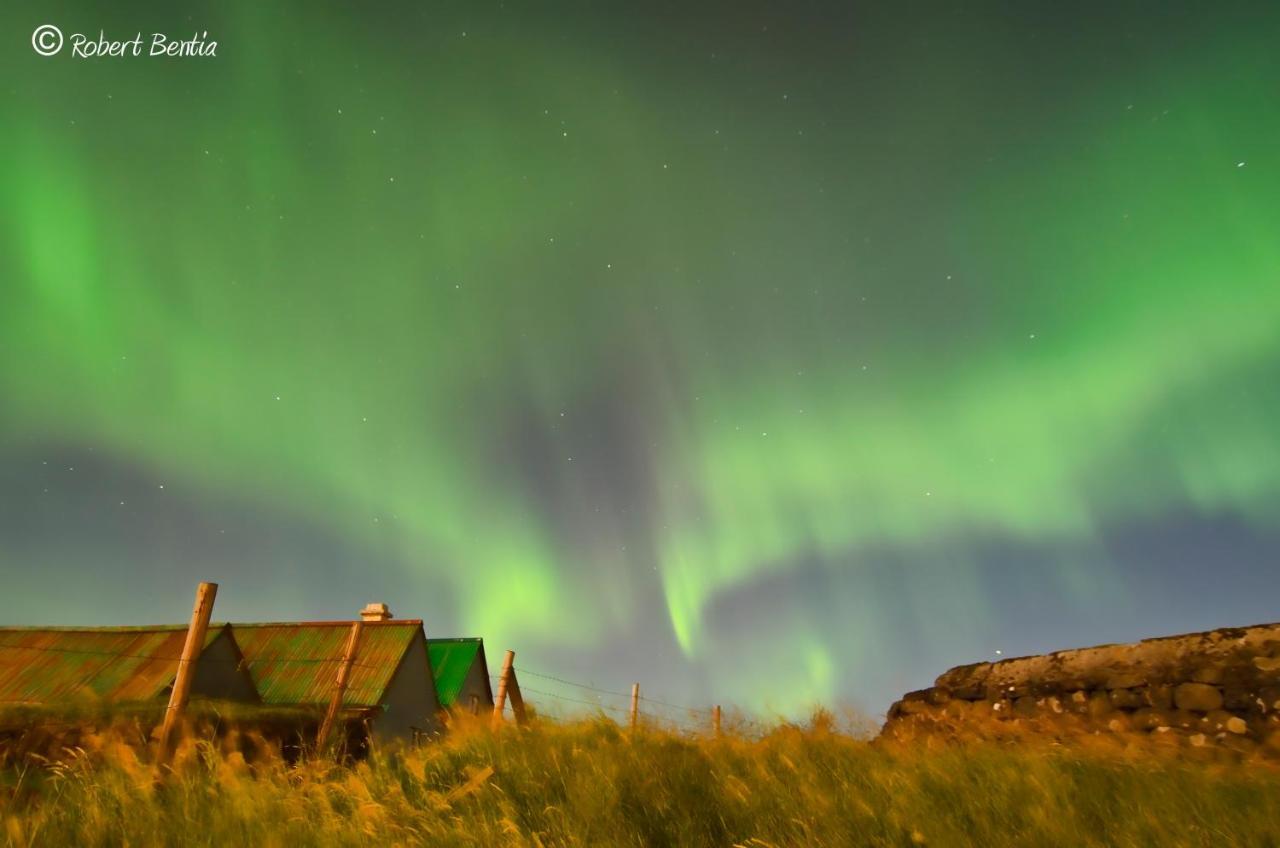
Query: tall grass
x=588, y=783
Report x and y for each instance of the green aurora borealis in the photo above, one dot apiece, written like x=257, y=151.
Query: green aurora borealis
x=765, y=355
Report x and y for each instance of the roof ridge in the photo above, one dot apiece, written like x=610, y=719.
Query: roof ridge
x=99, y=628
x=340, y=622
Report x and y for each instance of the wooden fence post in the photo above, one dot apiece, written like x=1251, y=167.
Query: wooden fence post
x=339, y=686
x=504, y=678
x=516, y=697
x=715, y=719
x=191, y=649
x=508, y=689
x=635, y=705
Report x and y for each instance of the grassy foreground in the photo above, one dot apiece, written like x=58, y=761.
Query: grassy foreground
x=586, y=783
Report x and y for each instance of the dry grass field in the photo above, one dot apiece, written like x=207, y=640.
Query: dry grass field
x=589, y=783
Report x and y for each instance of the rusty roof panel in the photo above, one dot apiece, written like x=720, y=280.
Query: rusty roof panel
x=297, y=663
x=41, y=665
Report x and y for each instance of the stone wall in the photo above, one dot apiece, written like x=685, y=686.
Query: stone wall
x=1219, y=689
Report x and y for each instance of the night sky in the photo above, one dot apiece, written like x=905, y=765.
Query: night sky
x=764, y=355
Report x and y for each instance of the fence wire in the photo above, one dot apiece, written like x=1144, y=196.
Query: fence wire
x=689, y=711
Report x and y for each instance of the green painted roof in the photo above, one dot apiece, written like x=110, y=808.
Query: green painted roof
x=451, y=660
x=43, y=665
x=297, y=663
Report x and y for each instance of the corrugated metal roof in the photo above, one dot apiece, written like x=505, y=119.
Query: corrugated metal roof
x=297, y=663
x=42, y=665
x=451, y=660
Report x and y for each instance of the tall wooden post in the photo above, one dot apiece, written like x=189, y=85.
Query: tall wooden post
x=715, y=719
x=339, y=686
x=504, y=681
x=635, y=705
x=200, y=613
x=516, y=697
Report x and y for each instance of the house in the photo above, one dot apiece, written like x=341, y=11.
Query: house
x=397, y=686
x=390, y=683
x=461, y=674
x=58, y=666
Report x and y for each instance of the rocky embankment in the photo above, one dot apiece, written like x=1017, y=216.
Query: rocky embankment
x=1219, y=689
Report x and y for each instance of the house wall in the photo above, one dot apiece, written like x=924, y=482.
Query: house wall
x=220, y=673
x=410, y=705
x=476, y=694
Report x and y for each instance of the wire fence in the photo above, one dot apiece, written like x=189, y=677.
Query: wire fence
x=649, y=706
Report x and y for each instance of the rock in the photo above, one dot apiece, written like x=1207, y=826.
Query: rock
x=1126, y=699
x=1207, y=674
x=1222, y=684
x=1148, y=719
x=1197, y=696
x=1268, y=699
x=1239, y=674
x=1267, y=664
x=1124, y=680
x=1006, y=691
x=1119, y=724
x=1217, y=720
x=913, y=707
x=1240, y=700
x=968, y=682
x=1198, y=740
x=1159, y=697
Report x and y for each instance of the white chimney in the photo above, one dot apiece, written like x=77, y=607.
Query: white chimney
x=375, y=612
